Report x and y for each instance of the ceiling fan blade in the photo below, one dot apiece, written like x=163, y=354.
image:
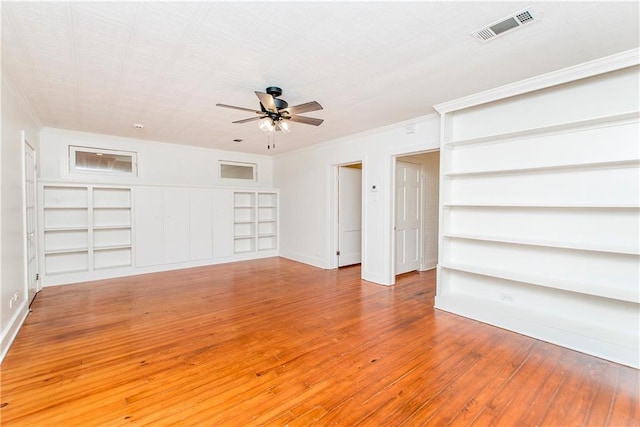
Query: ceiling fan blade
x=306, y=120
x=252, y=119
x=267, y=102
x=303, y=108
x=238, y=108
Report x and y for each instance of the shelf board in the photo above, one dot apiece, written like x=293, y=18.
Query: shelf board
x=542, y=206
x=562, y=284
x=57, y=229
x=107, y=267
x=111, y=227
x=66, y=251
x=559, y=128
x=244, y=222
x=78, y=270
x=50, y=208
x=548, y=168
x=244, y=237
x=111, y=207
x=549, y=244
x=111, y=247
x=244, y=207
x=267, y=206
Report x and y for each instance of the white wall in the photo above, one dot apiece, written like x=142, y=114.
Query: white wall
x=159, y=163
x=307, y=194
x=169, y=168
x=15, y=119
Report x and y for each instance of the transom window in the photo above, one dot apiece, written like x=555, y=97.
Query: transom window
x=238, y=170
x=102, y=161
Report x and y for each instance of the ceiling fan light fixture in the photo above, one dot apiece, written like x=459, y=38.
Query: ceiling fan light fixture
x=284, y=126
x=266, y=125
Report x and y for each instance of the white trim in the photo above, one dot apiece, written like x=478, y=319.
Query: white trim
x=14, y=326
x=304, y=259
x=73, y=169
x=38, y=287
x=588, y=69
x=253, y=166
x=556, y=330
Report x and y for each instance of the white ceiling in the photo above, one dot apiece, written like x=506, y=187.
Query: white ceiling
x=103, y=66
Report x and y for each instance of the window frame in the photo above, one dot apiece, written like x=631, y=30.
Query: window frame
x=73, y=169
x=253, y=166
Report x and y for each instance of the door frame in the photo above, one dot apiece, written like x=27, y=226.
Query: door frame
x=420, y=214
x=36, y=241
x=395, y=158
x=333, y=235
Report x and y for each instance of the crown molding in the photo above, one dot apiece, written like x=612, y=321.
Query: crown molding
x=607, y=64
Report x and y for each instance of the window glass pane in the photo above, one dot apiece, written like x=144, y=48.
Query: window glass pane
x=104, y=162
x=235, y=171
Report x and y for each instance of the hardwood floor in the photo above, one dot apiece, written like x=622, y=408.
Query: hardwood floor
x=274, y=342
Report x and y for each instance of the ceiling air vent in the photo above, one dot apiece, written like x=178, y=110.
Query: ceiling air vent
x=503, y=25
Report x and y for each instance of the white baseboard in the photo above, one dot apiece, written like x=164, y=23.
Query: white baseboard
x=10, y=333
x=66, y=279
x=313, y=261
x=614, y=345
x=429, y=265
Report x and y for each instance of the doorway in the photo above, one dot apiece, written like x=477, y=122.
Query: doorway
x=416, y=206
x=349, y=190
x=30, y=241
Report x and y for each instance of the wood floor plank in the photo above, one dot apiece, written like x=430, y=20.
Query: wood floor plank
x=624, y=409
x=273, y=342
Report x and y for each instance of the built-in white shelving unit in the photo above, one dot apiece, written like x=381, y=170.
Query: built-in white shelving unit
x=255, y=221
x=85, y=228
x=540, y=208
x=65, y=229
x=111, y=227
x=244, y=222
x=97, y=231
x=267, y=224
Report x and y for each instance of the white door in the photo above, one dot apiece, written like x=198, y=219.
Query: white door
x=148, y=226
x=175, y=226
x=30, y=221
x=222, y=223
x=407, y=217
x=349, y=216
x=200, y=225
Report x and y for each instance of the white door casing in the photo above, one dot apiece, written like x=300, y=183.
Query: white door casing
x=31, y=260
x=407, y=227
x=349, y=216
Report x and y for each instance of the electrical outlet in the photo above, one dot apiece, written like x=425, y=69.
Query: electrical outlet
x=506, y=297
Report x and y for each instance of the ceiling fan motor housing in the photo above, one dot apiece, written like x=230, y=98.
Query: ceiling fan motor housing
x=280, y=104
x=274, y=91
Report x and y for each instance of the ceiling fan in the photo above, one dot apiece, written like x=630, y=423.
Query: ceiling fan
x=275, y=113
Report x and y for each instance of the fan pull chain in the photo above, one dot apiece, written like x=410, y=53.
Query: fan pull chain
x=271, y=140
